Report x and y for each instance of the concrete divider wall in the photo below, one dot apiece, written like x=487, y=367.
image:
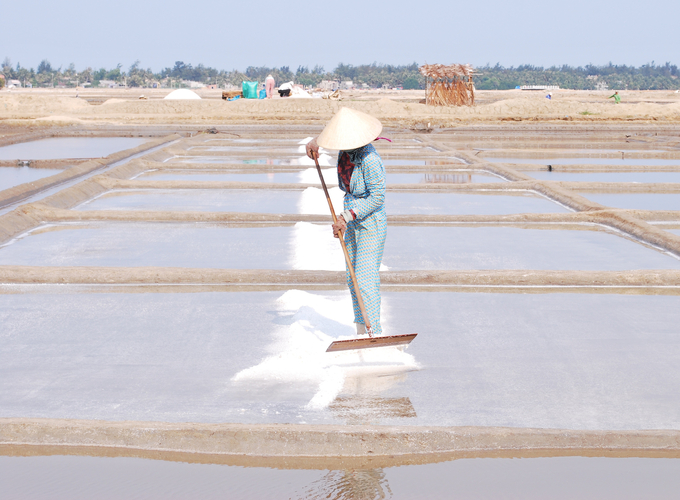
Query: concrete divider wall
x=23, y=191
x=290, y=440
x=19, y=220
x=130, y=169
x=210, y=276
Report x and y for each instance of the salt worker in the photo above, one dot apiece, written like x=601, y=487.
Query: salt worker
x=269, y=84
x=361, y=175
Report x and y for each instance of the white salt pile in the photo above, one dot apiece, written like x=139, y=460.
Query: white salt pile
x=313, y=201
x=182, y=94
x=315, y=248
x=311, y=176
x=298, y=351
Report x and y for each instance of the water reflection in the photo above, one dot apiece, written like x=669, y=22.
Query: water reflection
x=355, y=484
x=361, y=400
x=462, y=178
x=360, y=409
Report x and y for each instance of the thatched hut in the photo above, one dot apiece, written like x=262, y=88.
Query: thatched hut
x=449, y=85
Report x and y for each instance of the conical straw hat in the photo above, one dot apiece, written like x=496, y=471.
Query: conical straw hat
x=349, y=129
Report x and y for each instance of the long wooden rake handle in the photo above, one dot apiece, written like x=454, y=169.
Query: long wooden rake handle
x=360, y=300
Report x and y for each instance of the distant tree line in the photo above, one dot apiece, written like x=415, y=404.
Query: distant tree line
x=590, y=77
x=620, y=77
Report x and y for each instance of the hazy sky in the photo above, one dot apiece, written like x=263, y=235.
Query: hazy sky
x=235, y=35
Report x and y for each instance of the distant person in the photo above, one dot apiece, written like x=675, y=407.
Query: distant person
x=269, y=84
x=549, y=96
x=616, y=97
x=286, y=89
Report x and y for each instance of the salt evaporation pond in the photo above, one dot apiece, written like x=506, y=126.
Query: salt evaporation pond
x=255, y=141
x=420, y=163
x=588, y=161
x=452, y=203
x=555, y=360
x=313, y=201
x=325, y=160
x=14, y=176
x=213, y=200
x=238, y=148
x=311, y=176
x=312, y=247
x=639, y=201
x=607, y=176
x=69, y=147
x=558, y=478
x=222, y=176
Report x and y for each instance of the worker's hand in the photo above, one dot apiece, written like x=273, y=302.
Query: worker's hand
x=341, y=225
x=312, y=149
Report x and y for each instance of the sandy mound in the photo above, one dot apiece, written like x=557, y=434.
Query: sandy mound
x=59, y=119
x=113, y=101
x=492, y=106
x=40, y=104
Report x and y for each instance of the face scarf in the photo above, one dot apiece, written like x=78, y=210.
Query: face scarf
x=346, y=165
x=348, y=161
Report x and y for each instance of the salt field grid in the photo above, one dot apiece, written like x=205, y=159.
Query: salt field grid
x=206, y=268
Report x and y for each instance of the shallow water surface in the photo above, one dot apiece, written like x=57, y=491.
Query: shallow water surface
x=589, y=161
x=557, y=478
x=557, y=360
x=14, y=176
x=69, y=147
x=324, y=160
x=221, y=176
x=640, y=201
x=607, y=176
x=422, y=162
x=308, y=246
x=313, y=201
x=310, y=176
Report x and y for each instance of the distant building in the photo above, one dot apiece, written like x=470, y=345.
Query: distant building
x=14, y=84
x=111, y=84
x=193, y=85
x=539, y=87
x=347, y=85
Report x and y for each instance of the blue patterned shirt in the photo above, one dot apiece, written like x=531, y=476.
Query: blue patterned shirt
x=366, y=193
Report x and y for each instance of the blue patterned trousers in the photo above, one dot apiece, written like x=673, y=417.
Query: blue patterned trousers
x=365, y=241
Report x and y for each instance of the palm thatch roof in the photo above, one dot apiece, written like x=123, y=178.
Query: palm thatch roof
x=441, y=71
